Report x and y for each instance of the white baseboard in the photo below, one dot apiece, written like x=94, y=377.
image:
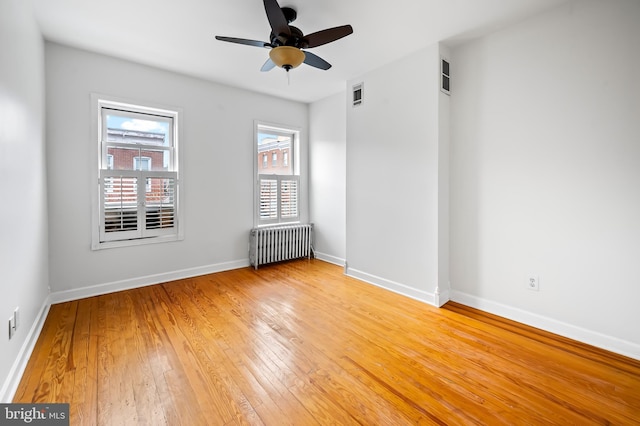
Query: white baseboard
x=330, y=259
x=97, y=290
x=393, y=286
x=590, y=337
x=442, y=295
x=10, y=386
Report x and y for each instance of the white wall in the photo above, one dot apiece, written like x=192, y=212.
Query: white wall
x=23, y=215
x=393, y=177
x=327, y=163
x=218, y=157
x=545, y=165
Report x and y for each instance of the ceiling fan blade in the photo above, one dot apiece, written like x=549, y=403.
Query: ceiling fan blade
x=268, y=66
x=277, y=20
x=316, y=61
x=327, y=36
x=244, y=41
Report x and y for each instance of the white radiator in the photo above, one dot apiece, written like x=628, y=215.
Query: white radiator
x=278, y=243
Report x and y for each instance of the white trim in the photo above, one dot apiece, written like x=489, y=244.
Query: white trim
x=393, y=286
x=10, y=385
x=442, y=295
x=330, y=259
x=590, y=337
x=112, y=287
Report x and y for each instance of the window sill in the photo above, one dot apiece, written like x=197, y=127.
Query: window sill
x=136, y=242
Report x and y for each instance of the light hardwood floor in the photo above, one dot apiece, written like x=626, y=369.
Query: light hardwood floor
x=300, y=343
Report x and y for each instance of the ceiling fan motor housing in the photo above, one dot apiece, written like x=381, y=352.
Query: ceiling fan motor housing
x=296, y=39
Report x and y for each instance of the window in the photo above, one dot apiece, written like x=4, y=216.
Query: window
x=278, y=190
x=137, y=149
x=141, y=163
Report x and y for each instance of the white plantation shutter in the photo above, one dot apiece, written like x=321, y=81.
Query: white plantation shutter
x=137, y=204
x=278, y=198
x=268, y=199
x=119, y=218
x=289, y=197
x=160, y=204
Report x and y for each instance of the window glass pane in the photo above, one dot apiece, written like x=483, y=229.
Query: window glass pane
x=121, y=158
x=135, y=158
x=128, y=127
x=275, y=145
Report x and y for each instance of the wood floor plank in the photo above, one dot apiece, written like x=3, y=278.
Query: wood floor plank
x=85, y=360
x=115, y=397
x=299, y=343
x=211, y=360
x=209, y=397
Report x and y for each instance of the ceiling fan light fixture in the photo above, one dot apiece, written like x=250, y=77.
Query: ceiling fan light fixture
x=287, y=57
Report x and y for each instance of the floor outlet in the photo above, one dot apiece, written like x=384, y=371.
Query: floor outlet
x=533, y=283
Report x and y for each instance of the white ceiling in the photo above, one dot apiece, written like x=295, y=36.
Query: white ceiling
x=178, y=35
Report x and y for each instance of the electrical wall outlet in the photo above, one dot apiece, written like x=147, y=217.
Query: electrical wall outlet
x=12, y=326
x=533, y=283
x=16, y=317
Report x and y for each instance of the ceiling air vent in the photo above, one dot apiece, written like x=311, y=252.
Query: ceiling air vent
x=357, y=94
x=445, y=79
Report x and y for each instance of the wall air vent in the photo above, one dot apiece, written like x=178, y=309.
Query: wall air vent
x=357, y=94
x=445, y=79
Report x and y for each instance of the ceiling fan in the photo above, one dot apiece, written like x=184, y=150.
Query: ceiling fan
x=287, y=42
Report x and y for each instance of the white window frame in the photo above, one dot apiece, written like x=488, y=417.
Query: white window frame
x=101, y=171
x=294, y=158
